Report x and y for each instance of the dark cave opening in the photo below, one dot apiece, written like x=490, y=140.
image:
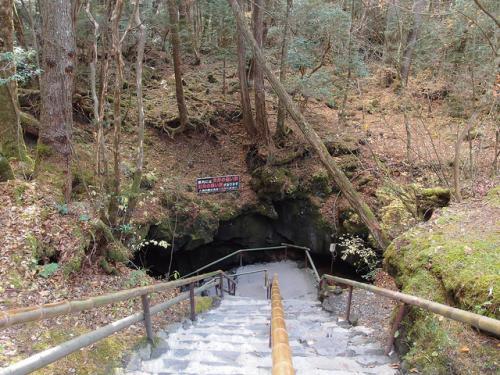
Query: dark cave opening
x=296, y=222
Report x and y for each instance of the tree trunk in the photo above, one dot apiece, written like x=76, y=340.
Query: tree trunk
x=176, y=54
x=11, y=138
x=456, y=161
x=246, y=105
x=418, y=7
x=258, y=75
x=333, y=169
x=56, y=91
x=116, y=41
x=140, y=104
x=281, y=129
x=392, y=38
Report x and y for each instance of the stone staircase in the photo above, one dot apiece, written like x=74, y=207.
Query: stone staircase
x=234, y=339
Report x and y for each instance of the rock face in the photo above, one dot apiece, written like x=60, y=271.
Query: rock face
x=292, y=221
x=452, y=259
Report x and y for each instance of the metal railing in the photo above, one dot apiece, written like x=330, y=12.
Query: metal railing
x=481, y=322
x=35, y=313
x=281, y=352
x=308, y=259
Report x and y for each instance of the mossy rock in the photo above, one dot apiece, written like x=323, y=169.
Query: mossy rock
x=348, y=163
x=427, y=200
x=352, y=224
x=342, y=146
x=320, y=183
x=452, y=260
x=274, y=183
x=5, y=169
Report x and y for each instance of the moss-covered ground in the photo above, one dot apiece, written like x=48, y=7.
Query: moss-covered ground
x=453, y=259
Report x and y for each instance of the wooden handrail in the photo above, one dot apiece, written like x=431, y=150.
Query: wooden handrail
x=281, y=352
x=51, y=310
x=484, y=323
x=51, y=355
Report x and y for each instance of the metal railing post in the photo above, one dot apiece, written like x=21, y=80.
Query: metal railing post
x=305, y=255
x=192, y=302
x=286, y=253
x=241, y=259
x=395, y=325
x=348, y=307
x=147, y=317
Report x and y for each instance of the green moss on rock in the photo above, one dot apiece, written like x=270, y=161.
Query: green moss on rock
x=274, y=183
x=5, y=169
x=453, y=260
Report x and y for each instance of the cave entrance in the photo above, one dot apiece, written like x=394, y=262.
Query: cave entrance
x=294, y=222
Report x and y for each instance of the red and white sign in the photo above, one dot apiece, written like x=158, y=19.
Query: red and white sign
x=220, y=184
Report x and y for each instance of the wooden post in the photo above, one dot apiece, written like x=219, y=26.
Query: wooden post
x=348, y=307
x=221, y=284
x=192, y=302
x=395, y=325
x=147, y=317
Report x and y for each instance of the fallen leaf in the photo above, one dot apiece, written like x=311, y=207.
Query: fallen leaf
x=464, y=349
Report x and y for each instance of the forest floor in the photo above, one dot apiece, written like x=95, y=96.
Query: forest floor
x=31, y=215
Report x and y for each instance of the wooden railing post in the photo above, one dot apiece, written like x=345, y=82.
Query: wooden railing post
x=221, y=284
x=192, y=302
x=395, y=325
x=147, y=317
x=348, y=307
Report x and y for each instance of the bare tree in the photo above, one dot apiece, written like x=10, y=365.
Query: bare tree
x=246, y=105
x=141, y=42
x=281, y=129
x=456, y=162
x=56, y=89
x=173, y=13
x=258, y=75
x=418, y=8
x=11, y=138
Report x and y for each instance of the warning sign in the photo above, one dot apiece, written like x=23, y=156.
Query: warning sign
x=221, y=184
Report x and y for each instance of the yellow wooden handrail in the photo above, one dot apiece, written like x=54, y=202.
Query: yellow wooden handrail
x=282, y=355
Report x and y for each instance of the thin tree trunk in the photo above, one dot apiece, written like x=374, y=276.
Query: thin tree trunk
x=11, y=137
x=246, y=105
x=56, y=91
x=176, y=55
x=117, y=118
x=456, y=161
x=140, y=103
x=391, y=34
x=281, y=129
x=418, y=8
x=497, y=152
x=342, y=115
x=312, y=137
x=258, y=74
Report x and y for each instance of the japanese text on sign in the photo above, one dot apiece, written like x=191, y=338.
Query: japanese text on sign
x=219, y=184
